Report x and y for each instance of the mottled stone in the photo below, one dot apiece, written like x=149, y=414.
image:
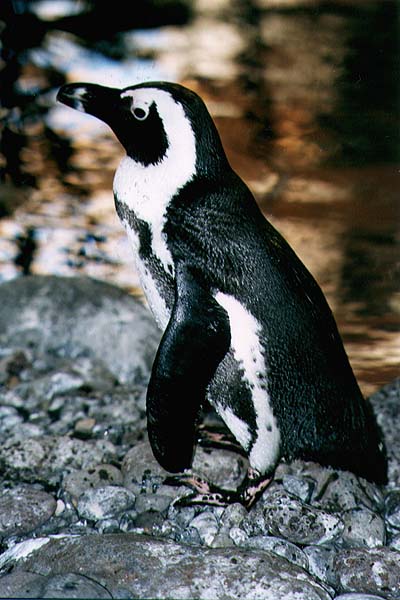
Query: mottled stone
x=22, y=584
x=23, y=509
x=47, y=459
x=73, y=585
x=320, y=563
x=392, y=508
x=284, y=516
x=157, y=502
x=301, y=487
x=104, y=502
x=77, y=482
x=206, y=525
x=358, y=597
x=278, y=546
x=177, y=571
x=363, y=527
x=79, y=316
x=375, y=571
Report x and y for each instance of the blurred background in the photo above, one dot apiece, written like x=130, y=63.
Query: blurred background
x=305, y=94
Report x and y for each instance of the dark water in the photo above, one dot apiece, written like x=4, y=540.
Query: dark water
x=305, y=94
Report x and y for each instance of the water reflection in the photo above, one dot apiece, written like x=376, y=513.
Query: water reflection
x=305, y=95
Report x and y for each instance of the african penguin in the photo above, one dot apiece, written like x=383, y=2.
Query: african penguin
x=245, y=324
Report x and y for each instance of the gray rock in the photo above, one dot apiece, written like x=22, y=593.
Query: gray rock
x=392, y=508
x=301, y=487
x=101, y=503
x=284, y=516
x=157, y=502
x=233, y=516
x=47, y=459
x=387, y=408
x=206, y=525
x=77, y=482
x=278, y=546
x=22, y=585
x=23, y=509
x=72, y=585
x=321, y=563
x=177, y=571
x=395, y=542
x=108, y=526
x=368, y=571
x=363, y=527
x=357, y=597
x=79, y=316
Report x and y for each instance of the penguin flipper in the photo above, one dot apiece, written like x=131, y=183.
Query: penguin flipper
x=195, y=341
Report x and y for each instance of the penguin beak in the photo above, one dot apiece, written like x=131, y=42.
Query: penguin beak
x=97, y=100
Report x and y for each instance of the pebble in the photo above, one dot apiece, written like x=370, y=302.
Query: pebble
x=81, y=492
x=100, y=503
x=77, y=482
x=286, y=517
x=363, y=527
x=23, y=509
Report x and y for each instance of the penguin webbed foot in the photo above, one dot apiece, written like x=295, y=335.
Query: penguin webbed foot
x=204, y=492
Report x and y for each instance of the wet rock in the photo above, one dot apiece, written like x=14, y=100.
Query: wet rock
x=101, y=503
x=77, y=482
x=78, y=316
x=363, y=528
x=284, y=516
x=23, y=509
x=374, y=571
x=47, y=459
x=177, y=571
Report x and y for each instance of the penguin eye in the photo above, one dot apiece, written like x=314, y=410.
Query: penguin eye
x=140, y=113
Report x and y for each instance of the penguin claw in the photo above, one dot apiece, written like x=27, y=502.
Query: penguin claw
x=204, y=492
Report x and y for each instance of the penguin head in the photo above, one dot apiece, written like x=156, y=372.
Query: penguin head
x=151, y=120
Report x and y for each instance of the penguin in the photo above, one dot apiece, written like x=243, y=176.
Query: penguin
x=245, y=325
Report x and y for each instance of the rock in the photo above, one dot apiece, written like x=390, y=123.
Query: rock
x=357, y=597
x=22, y=585
x=206, y=525
x=280, y=547
x=124, y=561
x=222, y=468
x=300, y=487
x=77, y=482
x=157, y=502
x=284, y=516
x=46, y=459
x=72, y=585
x=78, y=317
x=392, y=508
x=374, y=571
x=387, y=408
x=363, y=528
x=23, y=509
x=104, y=502
x=320, y=563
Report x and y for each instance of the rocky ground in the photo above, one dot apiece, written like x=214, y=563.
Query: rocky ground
x=85, y=513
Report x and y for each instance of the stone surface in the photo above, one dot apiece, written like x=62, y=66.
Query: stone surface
x=46, y=459
x=284, y=516
x=363, y=527
x=104, y=502
x=369, y=571
x=23, y=509
x=74, y=316
x=77, y=482
x=177, y=571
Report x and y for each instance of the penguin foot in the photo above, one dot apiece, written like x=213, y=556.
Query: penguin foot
x=218, y=438
x=205, y=492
